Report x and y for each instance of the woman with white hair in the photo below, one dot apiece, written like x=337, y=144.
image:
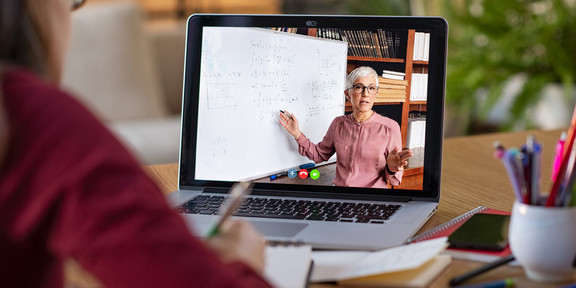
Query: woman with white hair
x=368, y=145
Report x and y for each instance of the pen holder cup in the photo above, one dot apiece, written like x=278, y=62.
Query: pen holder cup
x=543, y=241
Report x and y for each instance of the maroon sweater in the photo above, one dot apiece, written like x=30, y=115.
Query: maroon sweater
x=68, y=188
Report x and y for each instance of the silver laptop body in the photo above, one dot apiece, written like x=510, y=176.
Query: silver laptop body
x=240, y=70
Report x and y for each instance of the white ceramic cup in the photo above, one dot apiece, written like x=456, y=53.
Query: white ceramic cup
x=543, y=241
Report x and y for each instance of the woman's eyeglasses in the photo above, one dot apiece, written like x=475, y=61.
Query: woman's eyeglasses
x=77, y=3
x=359, y=89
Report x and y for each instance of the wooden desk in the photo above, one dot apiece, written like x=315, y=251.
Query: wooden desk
x=470, y=177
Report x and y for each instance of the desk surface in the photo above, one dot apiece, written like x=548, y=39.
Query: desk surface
x=470, y=177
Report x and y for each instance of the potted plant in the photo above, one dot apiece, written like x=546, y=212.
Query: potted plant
x=492, y=42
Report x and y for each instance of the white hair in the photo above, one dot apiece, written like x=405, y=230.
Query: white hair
x=363, y=71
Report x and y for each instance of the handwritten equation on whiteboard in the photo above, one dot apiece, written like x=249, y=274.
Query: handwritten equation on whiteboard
x=247, y=76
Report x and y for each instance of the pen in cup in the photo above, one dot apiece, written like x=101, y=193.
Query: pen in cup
x=234, y=200
x=558, y=156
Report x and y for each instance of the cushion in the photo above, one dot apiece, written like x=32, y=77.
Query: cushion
x=153, y=141
x=110, y=65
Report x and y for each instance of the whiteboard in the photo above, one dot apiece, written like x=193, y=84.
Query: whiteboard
x=247, y=76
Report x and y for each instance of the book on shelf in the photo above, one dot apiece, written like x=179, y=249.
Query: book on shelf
x=445, y=229
x=394, y=75
x=421, y=46
x=416, y=133
x=284, y=29
x=402, y=266
x=388, y=81
x=419, y=84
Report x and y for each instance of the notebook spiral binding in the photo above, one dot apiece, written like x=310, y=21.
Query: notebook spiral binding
x=432, y=233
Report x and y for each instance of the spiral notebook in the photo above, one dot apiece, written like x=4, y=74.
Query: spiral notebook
x=449, y=227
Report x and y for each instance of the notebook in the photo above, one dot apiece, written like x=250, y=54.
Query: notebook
x=241, y=71
x=447, y=228
x=413, y=265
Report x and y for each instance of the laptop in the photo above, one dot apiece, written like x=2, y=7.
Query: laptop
x=242, y=71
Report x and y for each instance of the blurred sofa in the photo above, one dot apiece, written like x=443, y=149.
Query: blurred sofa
x=129, y=73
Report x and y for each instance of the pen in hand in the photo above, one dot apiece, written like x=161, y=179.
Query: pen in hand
x=235, y=199
x=287, y=115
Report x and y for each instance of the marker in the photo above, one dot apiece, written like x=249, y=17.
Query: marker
x=289, y=116
x=307, y=166
x=508, y=282
x=558, y=156
x=275, y=176
x=235, y=198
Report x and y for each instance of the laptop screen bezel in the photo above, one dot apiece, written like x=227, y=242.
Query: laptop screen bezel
x=438, y=29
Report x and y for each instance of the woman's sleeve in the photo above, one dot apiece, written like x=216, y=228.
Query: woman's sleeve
x=395, y=141
x=317, y=152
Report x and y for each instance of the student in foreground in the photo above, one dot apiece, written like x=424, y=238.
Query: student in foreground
x=68, y=189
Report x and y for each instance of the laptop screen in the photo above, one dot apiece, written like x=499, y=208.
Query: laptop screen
x=318, y=104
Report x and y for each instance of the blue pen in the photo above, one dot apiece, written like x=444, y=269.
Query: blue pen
x=275, y=176
x=509, y=161
x=508, y=282
x=531, y=162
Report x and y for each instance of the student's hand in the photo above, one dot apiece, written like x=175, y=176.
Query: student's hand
x=290, y=123
x=239, y=241
x=397, y=159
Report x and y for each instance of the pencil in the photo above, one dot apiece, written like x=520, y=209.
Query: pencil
x=235, y=199
x=465, y=277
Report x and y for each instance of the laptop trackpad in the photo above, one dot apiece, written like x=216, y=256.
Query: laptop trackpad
x=278, y=229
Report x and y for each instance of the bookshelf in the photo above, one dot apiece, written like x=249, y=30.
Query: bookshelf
x=412, y=178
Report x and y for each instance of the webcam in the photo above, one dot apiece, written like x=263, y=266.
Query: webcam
x=311, y=23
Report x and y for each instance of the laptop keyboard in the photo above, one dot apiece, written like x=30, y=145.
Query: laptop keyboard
x=295, y=209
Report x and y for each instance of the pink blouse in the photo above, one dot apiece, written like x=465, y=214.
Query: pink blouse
x=361, y=150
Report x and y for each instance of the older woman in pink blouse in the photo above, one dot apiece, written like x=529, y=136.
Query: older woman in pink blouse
x=368, y=145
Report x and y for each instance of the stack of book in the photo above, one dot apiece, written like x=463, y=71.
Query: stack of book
x=362, y=43
x=391, y=90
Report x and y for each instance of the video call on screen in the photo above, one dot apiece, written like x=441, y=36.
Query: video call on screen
x=249, y=75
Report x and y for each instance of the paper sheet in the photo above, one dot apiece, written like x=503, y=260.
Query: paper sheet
x=288, y=266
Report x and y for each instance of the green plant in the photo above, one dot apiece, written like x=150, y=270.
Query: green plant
x=493, y=40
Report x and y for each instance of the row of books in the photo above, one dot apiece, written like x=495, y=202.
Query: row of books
x=419, y=85
x=284, y=29
x=362, y=43
x=391, y=90
x=421, y=46
x=416, y=132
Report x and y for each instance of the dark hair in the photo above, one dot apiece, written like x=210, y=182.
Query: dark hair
x=23, y=41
